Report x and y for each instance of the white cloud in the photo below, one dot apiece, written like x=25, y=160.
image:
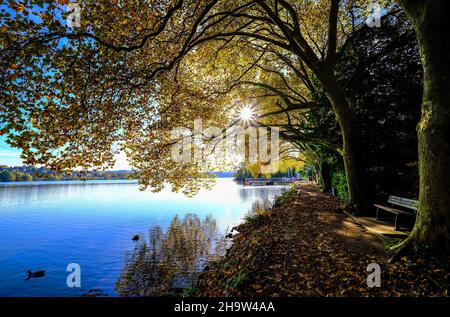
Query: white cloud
x=121, y=162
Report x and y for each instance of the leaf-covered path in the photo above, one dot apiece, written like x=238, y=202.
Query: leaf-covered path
x=304, y=246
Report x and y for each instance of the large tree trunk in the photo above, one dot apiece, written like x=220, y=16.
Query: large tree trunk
x=325, y=176
x=355, y=169
x=431, y=20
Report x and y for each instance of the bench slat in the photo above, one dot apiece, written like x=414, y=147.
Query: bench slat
x=403, y=202
x=393, y=210
x=398, y=201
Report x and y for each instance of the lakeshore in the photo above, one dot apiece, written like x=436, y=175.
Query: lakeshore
x=306, y=246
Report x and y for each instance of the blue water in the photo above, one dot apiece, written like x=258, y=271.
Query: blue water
x=47, y=225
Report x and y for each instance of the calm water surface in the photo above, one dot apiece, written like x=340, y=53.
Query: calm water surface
x=47, y=225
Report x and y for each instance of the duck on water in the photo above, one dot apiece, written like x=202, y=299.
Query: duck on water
x=35, y=274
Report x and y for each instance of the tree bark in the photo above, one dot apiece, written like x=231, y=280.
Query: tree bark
x=325, y=177
x=354, y=164
x=431, y=20
x=352, y=153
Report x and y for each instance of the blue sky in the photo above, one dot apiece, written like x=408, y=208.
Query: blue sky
x=8, y=155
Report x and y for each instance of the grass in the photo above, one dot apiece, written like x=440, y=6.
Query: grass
x=239, y=281
x=388, y=243
x=190, y=291
x=255, y=220
x=288, y=195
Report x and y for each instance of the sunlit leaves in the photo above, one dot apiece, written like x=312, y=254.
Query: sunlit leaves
x=72, y=98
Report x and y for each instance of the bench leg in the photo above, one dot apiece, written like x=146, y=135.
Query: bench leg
x=397, y=228
x=377, y=217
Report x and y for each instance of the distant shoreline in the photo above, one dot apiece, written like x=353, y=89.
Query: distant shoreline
x=75, y=182
x=26, y=174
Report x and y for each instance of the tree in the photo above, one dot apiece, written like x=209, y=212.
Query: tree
x=381, y=71
x=288, y=35
x=430, y=19
x=19, y=176
x=90, y=76
x=6, y=176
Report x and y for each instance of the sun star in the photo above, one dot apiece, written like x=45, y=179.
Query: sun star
x=246, y=114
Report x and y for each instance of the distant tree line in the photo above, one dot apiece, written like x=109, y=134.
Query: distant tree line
x=7, y=176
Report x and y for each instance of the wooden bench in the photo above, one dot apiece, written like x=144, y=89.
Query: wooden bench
x=398, y=201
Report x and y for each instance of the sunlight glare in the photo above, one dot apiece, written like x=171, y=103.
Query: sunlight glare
x=246, y=113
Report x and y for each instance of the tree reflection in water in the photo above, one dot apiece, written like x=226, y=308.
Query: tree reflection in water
x=170, y=261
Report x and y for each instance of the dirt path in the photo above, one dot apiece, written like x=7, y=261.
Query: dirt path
x=306, y=247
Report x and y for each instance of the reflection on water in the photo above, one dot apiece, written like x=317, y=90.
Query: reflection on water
x=46, y=226
x=169, y=261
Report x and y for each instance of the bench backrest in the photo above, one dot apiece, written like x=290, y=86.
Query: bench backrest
x=403, y=202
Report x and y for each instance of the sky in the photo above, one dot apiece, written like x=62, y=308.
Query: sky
x=11, y=156
x=8, y=155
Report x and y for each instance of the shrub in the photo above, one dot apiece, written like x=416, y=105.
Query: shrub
x=339, y=182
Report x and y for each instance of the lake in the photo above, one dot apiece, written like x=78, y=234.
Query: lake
x=47, y=225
